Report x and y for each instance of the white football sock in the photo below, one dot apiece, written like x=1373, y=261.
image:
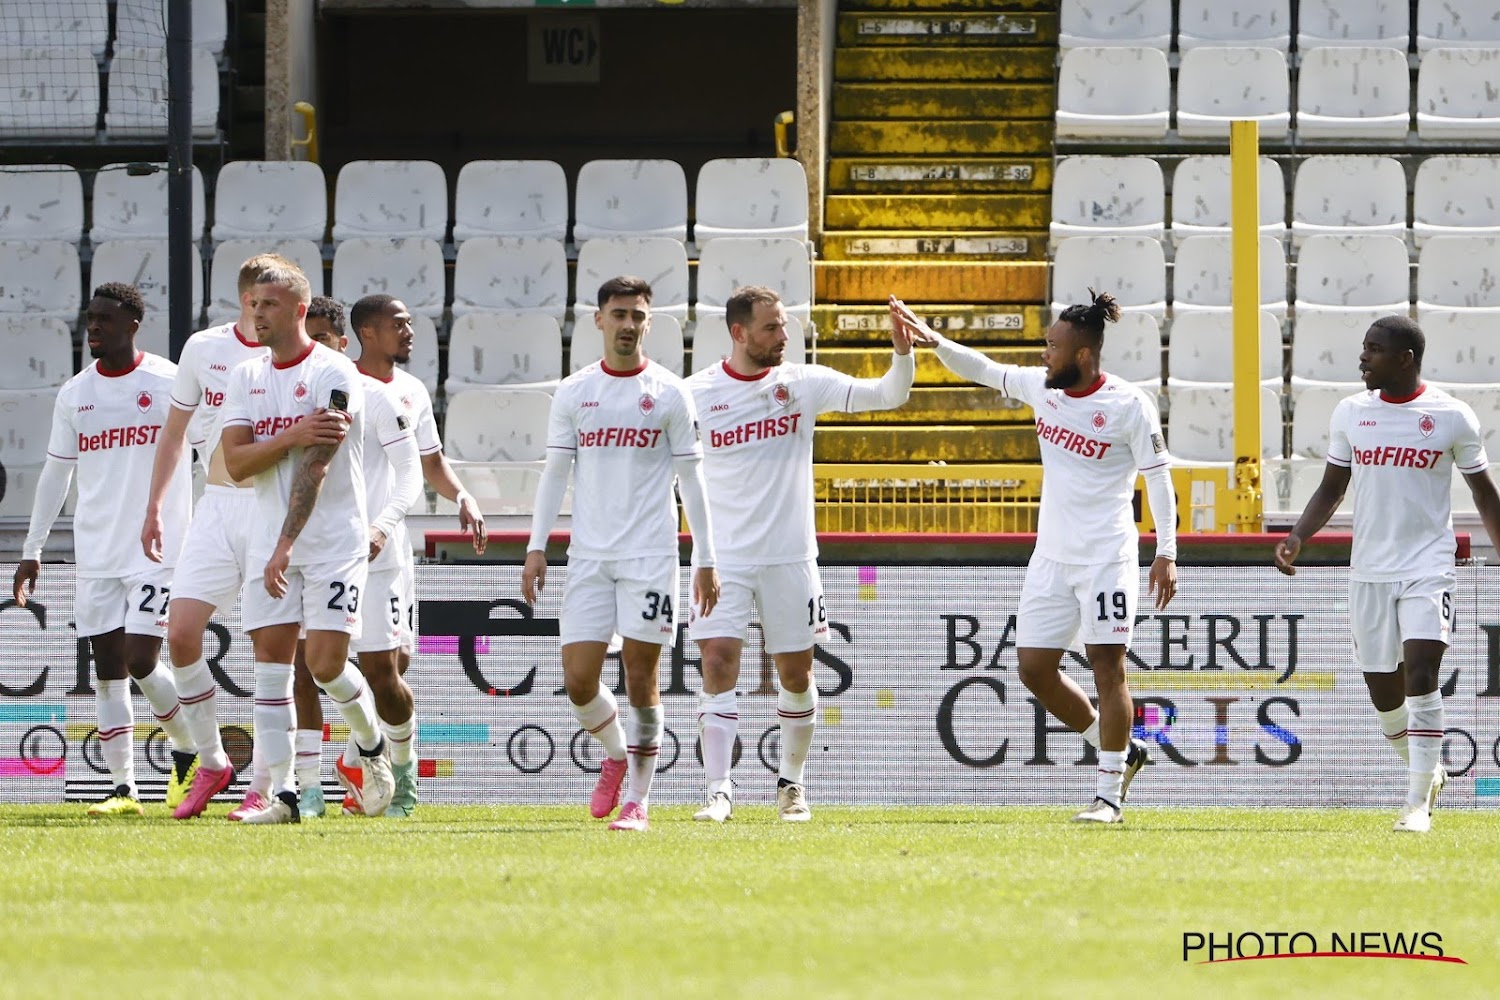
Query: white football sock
x=198, y=692
x=309, y=758
x=601, y=718
x=399, y=737
x=275, y=726
x=356, y=704
x=1111, y=775
x=1424, y=737
x=117, y=731
x=798, y=715
x=161, y=694
x=645, y=741
x=718, y=724
x=1091, y=734
x=1393, y=725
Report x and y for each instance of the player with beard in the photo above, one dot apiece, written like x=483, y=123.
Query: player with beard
x=1097, y=431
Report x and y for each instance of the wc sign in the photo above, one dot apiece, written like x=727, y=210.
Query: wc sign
x=563, y=48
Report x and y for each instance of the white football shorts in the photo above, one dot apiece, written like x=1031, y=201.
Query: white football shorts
x=137, y=603
x=323, y=597
x=214, y=561
x=636, y=598
x=1384, y=615
x=385, y=611
x=1062, y=604
x=789, y=596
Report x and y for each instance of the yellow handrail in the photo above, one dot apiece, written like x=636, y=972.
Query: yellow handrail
x=783, y=125
x=310, y=126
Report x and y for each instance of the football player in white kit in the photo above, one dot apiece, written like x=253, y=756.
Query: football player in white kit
x=757, y=416
x=1097, y=431
x=213, y=565
x=310, y=541
x=1398, y=443
x=107, y=422
x=625, y=425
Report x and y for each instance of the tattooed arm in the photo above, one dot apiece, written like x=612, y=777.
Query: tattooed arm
x=307, y=483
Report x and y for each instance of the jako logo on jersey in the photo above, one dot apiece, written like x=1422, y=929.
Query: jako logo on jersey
x=620, y=437
x=1397, y=457
x=1071, y=440
x=143, y=401
x=271, y=426
x=257, y=392
x=216, y=367
x=86, y=407
x=647, y=403
x=299, y=391
x=1426, y=425
x=1367, y=423
x=588, y=404
x=718, y=408
x=1097, y=420
x=118, y=437
x=781, y=394
x=755, y=430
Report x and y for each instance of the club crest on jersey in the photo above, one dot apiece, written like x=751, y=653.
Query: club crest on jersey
x=299, y=391
x=781, y=394
x=647, y=403
x=1426, y=424
x=143, y=401
x=1098, y=420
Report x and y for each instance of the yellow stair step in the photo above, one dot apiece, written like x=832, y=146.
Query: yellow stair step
x=970, y=517
x=945, y=443
x=929, y=281
x=948, y=28
x=901, y=244
x=931, y=175
x=943, y=405
x=938, y=211
x=1009, y=6
x=973, y=138
x=944, y=100
x=990, y=324
x=943, y=62
x=872, y=362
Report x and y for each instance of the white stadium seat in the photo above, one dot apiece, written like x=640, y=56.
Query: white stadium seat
x=497, y=425
x=511, y=274
x=1459, y=272
x=1461, y=347
x=279, y=199
x=134, y=207
x=491, y=349
x=660, y=260
x=41, y=201
x=1139, y=23
x=712, y=342
x=1200, y=423
x=510, y=198
x=1216, y=86
x=424, y=351
x=143, y=263
x=751, y=196
x=1326, y=345
x=630, y=198
x=75, y=23
x=1201, y=276
x=1203, y=23
x=390, y=198
x=1291, y=483
x=1201, y=348
x=1485, y=401
x=138, y=94
x=49, y=93
x=1113, y=93
x=1132, y=349
x=38, y=352
x=229, y=256
x=502, y=488
x=1108, y=196
x=1348, y=196
x=40, y=279
x=1456, y=196
x=663, y=344
x=409, y=269
x=1369, y=23
x=1131, y=268
x=1360, y=273
x=1353, y=93
x=1201, y=204
x=1457, y=95
x=25, y=427
x=1312, y=408
x=1457, y=24
x=143, y=22
x=778, y=263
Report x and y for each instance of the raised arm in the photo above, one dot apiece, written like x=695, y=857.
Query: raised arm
x=245, y=457
x=962, y=361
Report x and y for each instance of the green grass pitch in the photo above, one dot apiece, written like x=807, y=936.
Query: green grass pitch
x=861, y=902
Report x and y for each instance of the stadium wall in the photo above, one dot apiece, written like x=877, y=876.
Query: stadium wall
x=1244, y=687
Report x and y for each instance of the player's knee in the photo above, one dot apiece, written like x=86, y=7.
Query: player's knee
x=1035, y=673
x=184, y=645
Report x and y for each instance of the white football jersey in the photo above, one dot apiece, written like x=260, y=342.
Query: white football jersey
x=758, y=432
x=623, y=429
x=1401, y=454
x=385, y=429
x=107, y=423
x=202, y=378
x=415, y=404
x=268, y=397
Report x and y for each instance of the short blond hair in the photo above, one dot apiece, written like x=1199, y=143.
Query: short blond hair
x=290, y=277
x=252, y=269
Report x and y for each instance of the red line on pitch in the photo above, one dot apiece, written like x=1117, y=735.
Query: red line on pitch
x=1340, y=954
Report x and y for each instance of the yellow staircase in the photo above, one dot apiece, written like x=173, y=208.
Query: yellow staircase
x=939, y=173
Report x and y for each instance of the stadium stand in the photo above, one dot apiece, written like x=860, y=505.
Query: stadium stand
x=132, y=206
x=1348, y=196
x=1459, y=273
x=1456, y=24
x=1200, y=198
x=750, y=196
x=138, y=94
x=1455, y=196
x=1134, y=23
x=523, y=274
x=637, y=198
x=1135, y=349
x=1113, y=92
x=503, y=349
x=1217, y=85
x=224, y=270
x=391, y=199
x=411, y=269
x=661, y=260
x=42, y=278
x=729, y=263
x=1326, y=346
x=1200, y=425
x=497, y=425
x=30, y=108
x=1353, y=93
x=1260, y=23
x=143, y=22
x=26, y=418
x=38, y=26
x=1201, y=276
x=1370, y=24
x=1201, y=348
x=281, y=199
x=1461, y=348
x=511, y=198
x=41, y=201
x=1456, y=94
x=1353, y=272
x=38, y=352
x=143, y=263
x=1133, y=268
x=1108, y=196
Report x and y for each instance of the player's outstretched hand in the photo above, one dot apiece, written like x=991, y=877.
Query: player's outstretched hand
x=909, y=326
x=275, y=574
x=25, y=582
x=318, y=427
x=1162, y=581
x=151, y=537
x=705, y=590
x=470, y=518
x=533, y=575
x=1287, y=551
x=377, y=542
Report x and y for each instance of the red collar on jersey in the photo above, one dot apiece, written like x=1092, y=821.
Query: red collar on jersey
x=388, y=379
x=1404, y=399
x=1080, y=393
x=744, y=378
x=241, y=338
x=279, y=365
x=113, y=373
x=610, y=371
